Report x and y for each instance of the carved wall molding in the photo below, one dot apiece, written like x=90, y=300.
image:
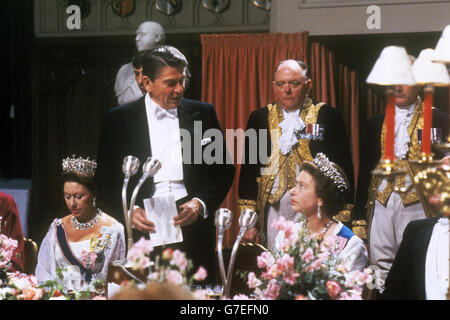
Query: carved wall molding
x=357, y=3
x=239, y=16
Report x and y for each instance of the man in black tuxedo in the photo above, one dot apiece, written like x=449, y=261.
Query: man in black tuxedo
x=152, y=126
x=420, y=269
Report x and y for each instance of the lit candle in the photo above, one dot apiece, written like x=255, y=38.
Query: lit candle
x=390, y=125
x=426, y=130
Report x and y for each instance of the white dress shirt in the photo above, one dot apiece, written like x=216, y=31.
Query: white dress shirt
x=437, y=262
x=164, y=130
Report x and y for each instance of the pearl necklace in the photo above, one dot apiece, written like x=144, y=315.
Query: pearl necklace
x=86, y=225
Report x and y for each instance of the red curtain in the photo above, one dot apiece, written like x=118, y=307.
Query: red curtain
x=237, y=79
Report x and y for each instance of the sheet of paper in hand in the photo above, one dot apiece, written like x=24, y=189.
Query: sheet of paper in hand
x=162, y=210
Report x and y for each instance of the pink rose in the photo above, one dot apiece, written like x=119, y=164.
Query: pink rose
x=167, y=254
x=315, y=265
x=357, y=278
x=173, y=276
x=179, y=259
x=285, y=263
x=324, y=256
x=333, y=288
x=241, y=297
x=7, y=247
x=153, y=276
x=31, y=294
x=308, y=255
x=22, y=281
x=201, y=274
x=281, y=224
x=253, y=282
x=265, y=260
x=349, y=295
x=272, y=291
x=291, y=278
x=138, y=254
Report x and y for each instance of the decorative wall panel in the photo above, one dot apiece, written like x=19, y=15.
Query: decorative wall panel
x=240, y=16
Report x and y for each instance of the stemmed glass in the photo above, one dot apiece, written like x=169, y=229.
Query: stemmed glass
x=214, y=291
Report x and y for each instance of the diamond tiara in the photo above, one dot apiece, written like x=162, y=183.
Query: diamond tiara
x=79, y=165
x=325, y=166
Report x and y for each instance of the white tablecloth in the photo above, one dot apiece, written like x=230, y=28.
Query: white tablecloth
x=20, y=190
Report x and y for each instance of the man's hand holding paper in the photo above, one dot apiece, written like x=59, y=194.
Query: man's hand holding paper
x=141, y=223
x=188, y=213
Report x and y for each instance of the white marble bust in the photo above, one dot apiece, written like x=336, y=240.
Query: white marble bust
x=148, y=35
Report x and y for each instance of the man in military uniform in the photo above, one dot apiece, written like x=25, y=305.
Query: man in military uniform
x=297, y=129
x=390, y=203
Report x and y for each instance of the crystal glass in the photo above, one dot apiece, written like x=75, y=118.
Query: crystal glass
x=214, y=291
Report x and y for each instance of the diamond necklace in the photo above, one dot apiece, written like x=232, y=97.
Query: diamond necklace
x=322, y=231
x=325, y=229
x=86, y=225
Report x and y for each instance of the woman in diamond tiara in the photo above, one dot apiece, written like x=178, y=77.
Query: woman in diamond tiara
x=87, y=237
x=320, y=193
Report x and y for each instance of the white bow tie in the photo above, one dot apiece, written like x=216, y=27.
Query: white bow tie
x=161, y=113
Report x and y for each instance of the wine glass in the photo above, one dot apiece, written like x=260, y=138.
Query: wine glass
x=214, y=291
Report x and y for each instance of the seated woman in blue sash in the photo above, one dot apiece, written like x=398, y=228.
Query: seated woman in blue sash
x=321, y=193
x=87, y=238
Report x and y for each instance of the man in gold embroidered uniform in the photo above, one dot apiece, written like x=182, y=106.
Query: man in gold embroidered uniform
x=389, y=204
x=296, y=130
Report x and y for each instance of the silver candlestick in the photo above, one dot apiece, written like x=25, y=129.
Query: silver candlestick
x=222, y=221
x=129, y=168
x=149, y=169
x=247, y=220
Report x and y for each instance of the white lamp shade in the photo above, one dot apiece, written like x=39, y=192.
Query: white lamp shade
x=442, y=50
x=426, y=71
x=393, y=67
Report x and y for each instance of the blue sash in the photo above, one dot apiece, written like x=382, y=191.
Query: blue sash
x=67, y=253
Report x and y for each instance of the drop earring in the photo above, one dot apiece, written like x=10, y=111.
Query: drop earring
x=319, y=214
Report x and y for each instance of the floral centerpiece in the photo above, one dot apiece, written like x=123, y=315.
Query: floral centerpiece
x=171, y=266
x=16, y=285
x=20, y=286
x=305, y=268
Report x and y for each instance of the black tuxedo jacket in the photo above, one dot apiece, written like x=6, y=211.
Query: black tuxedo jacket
x=406, y=278
x=125, y=132
x=370, y=154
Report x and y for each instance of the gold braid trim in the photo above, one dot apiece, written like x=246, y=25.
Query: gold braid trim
x=247, y=204
x=359, y=228
x=408, y=195
x=345, y=215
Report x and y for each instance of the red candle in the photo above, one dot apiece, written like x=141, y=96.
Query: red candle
x=426, y=130
x=390, y=126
